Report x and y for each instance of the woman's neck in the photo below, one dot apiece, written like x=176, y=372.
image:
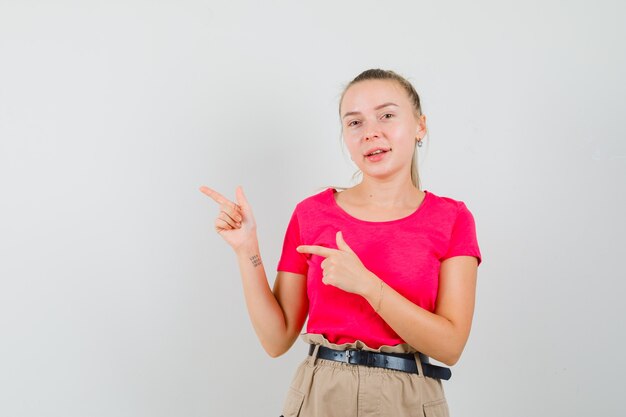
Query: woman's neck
x=386, y=194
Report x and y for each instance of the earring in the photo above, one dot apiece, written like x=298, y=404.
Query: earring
x=419, y=142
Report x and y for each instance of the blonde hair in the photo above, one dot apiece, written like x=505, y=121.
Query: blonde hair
x=379, y=74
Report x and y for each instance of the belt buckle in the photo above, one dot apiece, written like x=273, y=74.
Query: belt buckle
x=348, y=355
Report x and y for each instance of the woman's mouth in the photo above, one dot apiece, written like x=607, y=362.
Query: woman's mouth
x=376, y=154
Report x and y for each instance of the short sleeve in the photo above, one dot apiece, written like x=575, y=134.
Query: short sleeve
x=463, y=241
x=290, y=259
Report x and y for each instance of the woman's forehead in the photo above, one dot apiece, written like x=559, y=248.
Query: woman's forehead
x=370, y=93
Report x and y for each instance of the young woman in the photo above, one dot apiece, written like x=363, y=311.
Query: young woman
x=385, y=271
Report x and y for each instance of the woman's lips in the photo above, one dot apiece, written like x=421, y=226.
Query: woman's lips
x=377, y=156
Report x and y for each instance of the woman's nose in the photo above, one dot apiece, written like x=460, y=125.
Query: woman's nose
x=372, y=131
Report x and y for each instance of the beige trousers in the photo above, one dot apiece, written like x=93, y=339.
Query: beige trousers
x=323, y=388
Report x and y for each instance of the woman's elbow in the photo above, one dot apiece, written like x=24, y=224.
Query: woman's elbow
x=449, y=357
x=450, y=361
x=274, y=351
x=454, y=348
x=274, y=354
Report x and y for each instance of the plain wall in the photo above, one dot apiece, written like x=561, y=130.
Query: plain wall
x=117, y=298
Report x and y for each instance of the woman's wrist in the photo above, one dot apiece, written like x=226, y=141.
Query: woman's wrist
x=372, y=289
x=248, y=249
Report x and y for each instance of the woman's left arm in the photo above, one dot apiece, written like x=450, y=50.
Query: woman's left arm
x=441, y=335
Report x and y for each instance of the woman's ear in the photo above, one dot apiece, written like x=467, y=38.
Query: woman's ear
x=421, y=125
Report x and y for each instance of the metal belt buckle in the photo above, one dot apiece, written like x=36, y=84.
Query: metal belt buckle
x=348, y=354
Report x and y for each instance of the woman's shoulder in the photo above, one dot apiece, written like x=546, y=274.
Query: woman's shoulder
x=446, y=203
x=319, y=198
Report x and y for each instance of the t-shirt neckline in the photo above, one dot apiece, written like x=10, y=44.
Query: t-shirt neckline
x=331, y=194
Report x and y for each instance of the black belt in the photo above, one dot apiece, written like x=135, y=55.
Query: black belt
x=397, y=361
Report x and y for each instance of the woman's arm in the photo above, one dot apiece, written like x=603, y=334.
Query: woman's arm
x=278, y=316
x=443, y=334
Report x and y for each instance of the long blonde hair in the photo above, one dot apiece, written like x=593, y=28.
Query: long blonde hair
x=379, y=74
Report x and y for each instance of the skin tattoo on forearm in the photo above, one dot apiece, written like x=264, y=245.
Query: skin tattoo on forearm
x=256, y=260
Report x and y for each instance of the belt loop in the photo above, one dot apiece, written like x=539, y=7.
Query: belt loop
x=313, y=356
x=418, y=362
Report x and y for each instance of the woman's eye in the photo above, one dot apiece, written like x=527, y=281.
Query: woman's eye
x=388, y=116
x=353, y=123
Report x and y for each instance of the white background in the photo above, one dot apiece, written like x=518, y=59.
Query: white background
x=117, y=298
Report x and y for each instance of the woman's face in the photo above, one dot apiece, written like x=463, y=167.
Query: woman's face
x=380, y=127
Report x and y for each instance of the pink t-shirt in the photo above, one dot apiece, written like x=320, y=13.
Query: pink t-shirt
x=405, y=253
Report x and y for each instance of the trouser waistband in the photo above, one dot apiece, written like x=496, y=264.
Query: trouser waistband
x=397, y=361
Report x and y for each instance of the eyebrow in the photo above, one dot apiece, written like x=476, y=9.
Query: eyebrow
x=351, y=113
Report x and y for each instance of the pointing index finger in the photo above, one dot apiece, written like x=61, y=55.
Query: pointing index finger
x=217, y=197
x=315, y=250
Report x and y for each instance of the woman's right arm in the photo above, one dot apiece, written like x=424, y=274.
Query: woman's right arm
x=277, y=316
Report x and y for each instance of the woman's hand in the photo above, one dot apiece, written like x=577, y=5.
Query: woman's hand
x=235, y=222
x=342, y=268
